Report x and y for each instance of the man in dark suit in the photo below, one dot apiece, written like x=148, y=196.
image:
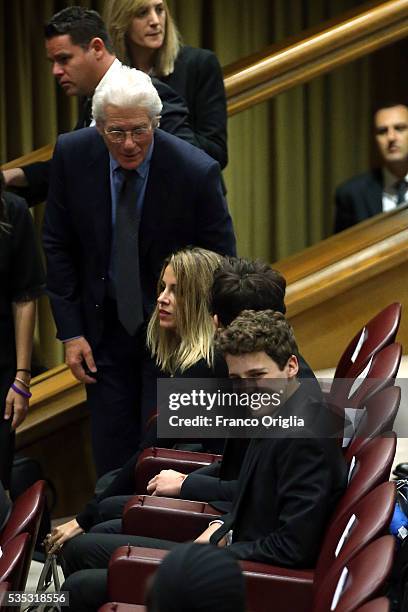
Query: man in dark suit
x=288, y=484
x=82, y=57
x=380, y=189
x=105, y=253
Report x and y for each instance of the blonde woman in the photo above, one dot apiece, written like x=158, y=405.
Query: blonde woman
x=145, y=36
x=181, y=330
x=180, y=338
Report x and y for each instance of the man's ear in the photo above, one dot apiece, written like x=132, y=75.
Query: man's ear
x=292, y=366
x=98, y=46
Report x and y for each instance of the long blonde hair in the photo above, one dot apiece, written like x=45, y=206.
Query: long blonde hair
x=193, y=340
x=118, y=15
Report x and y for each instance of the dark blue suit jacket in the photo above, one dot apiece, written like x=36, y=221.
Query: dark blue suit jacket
x=358, y=199
x=183, y=206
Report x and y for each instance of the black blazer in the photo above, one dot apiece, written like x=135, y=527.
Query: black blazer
x=198, y=78
x=287, y=490
x=183, y=206
x=217, y=482
x=358, y=199
x=21, y=271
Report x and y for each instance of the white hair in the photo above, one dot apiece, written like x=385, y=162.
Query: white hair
x=126, y=88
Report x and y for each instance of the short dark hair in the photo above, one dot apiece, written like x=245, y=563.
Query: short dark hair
x=253, y=332
x=81, y=24
x=387, y=104
x=241, y=284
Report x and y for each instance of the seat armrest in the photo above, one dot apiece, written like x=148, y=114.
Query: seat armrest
x=166, y=518
x=13, y=561
x=129, y=570
x=289, y=589
x=153, y=460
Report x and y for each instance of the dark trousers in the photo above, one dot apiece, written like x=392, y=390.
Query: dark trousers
x=85, y=562
x=124, y=395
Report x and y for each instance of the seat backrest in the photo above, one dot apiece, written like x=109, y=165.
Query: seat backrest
x=375, y=335
x=4, y=587
x=359, y=580
x=5, y=507
x=12, y=562
x=366, y=520
x=381, y=604
x=351, y=392
x=372, y=467
x=25, y=517
x=26, y=513
x=379, y=416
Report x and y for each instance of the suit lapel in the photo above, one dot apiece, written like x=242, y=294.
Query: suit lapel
x=157, y=199
x=99, y=202
x=251, y=459
x=373, y=194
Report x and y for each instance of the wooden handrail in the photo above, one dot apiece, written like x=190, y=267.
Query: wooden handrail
x=54, y=396
x=342, y=262
x=314, y=53
x=42, y=154
x=311, y=53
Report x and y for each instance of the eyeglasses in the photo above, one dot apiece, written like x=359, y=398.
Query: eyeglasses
x=138, y=134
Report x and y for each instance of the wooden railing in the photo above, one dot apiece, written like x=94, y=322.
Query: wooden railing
x=313, y=53
x=38, y=155
x=337, y=285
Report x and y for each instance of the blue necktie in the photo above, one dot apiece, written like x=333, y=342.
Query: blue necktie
x=401, y=187
x=127, y=271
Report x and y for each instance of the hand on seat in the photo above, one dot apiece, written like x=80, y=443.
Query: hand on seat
x=167, y=483
x=61, y=534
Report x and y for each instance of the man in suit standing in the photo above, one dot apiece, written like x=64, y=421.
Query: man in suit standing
x=123, y=196
x=82, y=58
x=381, y=189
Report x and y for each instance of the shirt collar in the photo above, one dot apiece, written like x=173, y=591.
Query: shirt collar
x=143, y=169
x=112, y=68
x=390, y=179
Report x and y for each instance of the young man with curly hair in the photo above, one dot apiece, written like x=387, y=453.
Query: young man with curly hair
x=288, y=485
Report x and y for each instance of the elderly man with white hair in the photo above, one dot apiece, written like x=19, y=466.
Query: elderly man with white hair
x=123, y=196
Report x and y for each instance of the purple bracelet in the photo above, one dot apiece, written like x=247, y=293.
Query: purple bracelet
x=25, y=394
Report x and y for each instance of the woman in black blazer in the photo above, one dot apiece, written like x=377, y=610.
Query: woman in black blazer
x=144, y=35
x=21, y=282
